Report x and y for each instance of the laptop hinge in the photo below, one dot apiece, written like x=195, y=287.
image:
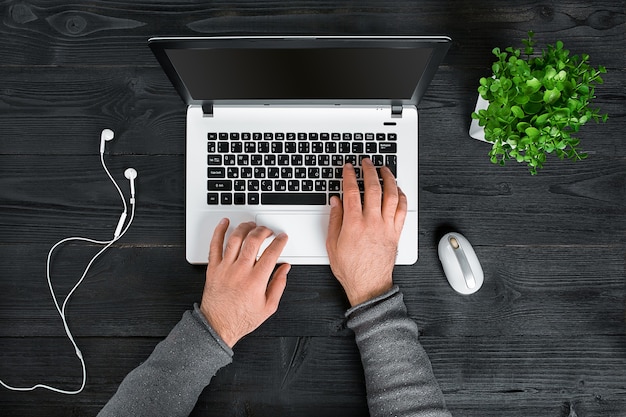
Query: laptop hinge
x=396, y=110
x=207, y=110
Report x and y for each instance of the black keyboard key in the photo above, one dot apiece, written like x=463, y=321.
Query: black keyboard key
x=260, y=172
x=263, y=147
x=234, y=136
x=307, y=199
x=253, y=198
x=249, y=147
x=381, y=136
x=230, y=159
x=388, y=147
x=290, y=147
x=220, y=185
x=257, y=136
x=273, y=172
x=213, y=198
x=240, y=185
x=214, y=160
x=253, y=185
x=321, y=185
x=256, y=159
x=280, y=185
x=371, y=147
x=337, y=160
x=236, y=147
x=266, y=185
x=223, y=147
x=211, y=147
x=212, y=136
x=293, y=185
x=232, y=172
x=240, y=198
x=226, y=198
x=307, y=185
x=216, y=172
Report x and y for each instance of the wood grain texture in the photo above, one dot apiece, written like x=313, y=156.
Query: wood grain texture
x=545, y=336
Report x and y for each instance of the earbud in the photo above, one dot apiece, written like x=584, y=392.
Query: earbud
x=105, y=136
x=131, y=174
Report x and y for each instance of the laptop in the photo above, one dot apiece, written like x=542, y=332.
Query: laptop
x=272, y=120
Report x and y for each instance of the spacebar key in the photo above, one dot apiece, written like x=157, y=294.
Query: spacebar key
x=306, y=199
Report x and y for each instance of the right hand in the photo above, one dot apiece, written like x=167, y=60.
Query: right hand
x=363, y=239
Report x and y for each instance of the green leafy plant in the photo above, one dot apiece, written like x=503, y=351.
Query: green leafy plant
x=536, y=103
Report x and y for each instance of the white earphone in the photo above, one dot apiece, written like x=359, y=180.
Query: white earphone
x=120, y=230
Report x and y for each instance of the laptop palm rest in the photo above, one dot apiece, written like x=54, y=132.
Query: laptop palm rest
x=306, y=232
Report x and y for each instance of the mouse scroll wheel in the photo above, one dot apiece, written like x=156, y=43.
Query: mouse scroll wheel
x=454, y=243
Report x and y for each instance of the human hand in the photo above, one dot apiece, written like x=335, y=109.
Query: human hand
x=363, y=239
x=237, y=297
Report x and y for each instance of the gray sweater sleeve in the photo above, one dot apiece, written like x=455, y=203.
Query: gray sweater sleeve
x=170, y=381
x=398, y=375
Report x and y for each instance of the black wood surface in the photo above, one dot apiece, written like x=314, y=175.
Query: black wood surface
x=545, y=336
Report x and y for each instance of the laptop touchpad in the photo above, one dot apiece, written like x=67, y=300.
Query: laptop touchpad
x=307, y=233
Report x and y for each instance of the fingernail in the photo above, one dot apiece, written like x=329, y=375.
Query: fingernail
x=333, y=201
x=224, y=221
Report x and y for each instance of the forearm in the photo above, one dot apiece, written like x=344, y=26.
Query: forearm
x=398, y=374
x=170, y=381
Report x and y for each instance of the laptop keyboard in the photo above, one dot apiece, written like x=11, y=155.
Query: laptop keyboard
x=289, y=168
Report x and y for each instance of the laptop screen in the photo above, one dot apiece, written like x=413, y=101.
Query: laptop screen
x=300, y=74
x=308, y=70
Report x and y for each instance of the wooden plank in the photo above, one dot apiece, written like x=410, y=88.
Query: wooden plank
x=101, y=33
x=143, y=291
x=480, y=376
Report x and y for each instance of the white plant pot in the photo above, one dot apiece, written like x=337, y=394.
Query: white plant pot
x=476, y=131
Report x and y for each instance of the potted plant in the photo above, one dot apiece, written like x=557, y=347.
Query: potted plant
x=533, y=105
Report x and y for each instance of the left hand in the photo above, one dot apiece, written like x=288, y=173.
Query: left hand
x=238, y=294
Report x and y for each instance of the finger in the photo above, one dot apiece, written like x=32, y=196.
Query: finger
x=270, y=256
x=373, y=191
x=216, y=247
x=390, y=198
x=276, y=288
x=233, y=245
x=401, y=210
x=334, y=223
x=351, y=193
x=252, y=243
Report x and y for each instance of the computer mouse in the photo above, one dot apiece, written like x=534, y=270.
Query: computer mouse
x=460, y=264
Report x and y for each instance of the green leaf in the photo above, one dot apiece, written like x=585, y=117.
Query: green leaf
x=532, y=108
x=532, y=132
x=551, y=96
x=541, y=119
x=517, y=112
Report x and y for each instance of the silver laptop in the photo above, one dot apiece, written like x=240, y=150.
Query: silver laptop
x=272, y=120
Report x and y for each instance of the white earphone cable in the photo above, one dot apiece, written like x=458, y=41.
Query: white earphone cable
x=61, y=309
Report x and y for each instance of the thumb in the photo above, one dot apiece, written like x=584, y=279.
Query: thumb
x=334, y=222
x=276, y=287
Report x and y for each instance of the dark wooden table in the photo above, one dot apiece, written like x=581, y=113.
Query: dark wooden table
x=545, y=336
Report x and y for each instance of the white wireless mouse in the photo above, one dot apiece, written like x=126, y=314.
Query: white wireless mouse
x=460, y=264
